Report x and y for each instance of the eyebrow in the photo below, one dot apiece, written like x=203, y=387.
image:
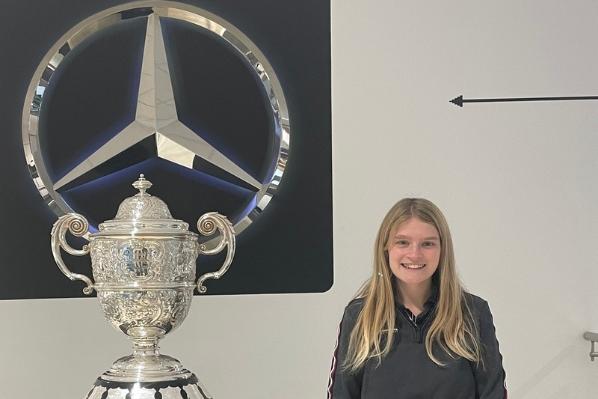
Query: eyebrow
x=427, y=238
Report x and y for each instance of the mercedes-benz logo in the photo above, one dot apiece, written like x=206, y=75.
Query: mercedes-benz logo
x=156, y=115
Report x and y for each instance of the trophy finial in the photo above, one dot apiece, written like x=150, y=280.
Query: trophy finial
x=142, y=184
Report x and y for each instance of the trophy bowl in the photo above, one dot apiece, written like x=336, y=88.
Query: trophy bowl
x=143, y=265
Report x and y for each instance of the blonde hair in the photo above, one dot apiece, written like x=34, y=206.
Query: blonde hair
x=452, y=328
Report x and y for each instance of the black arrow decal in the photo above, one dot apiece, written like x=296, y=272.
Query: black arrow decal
x=460, y=100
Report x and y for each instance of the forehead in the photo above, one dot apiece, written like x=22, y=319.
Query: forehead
x=415, y=228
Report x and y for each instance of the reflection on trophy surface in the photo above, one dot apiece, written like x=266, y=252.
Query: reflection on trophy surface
x=143, y=265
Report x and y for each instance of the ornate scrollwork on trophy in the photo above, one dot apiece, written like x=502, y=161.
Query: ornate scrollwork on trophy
x=207, y=225
x=77, y=225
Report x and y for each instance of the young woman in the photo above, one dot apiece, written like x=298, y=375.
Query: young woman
x=413, y=332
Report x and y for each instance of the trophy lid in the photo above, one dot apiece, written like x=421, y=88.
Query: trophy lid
x=143, y=213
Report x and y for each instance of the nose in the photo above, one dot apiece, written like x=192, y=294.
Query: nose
x=415, y=251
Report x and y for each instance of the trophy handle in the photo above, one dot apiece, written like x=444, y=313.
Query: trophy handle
x=78, y=226
x=207, y=225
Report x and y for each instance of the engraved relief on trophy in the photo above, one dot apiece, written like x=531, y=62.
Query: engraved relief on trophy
x=141, y=259
x=134, y=313
x=137, y=262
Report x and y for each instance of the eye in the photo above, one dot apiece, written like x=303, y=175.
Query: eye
x=402, y=243
x=428, y=244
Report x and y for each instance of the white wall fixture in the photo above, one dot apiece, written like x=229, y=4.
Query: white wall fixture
x=593, y=338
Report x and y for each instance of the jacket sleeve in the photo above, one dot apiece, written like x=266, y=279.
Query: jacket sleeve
x=489, y=375
x=343, y=384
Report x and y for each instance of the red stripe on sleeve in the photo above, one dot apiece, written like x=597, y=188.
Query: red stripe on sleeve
x=333, y=365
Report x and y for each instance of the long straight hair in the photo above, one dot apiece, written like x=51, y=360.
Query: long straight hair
x=452, y=330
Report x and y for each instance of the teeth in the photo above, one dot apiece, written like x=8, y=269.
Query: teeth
x=413, y=265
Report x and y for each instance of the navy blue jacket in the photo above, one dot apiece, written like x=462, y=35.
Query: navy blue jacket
x=408, y=373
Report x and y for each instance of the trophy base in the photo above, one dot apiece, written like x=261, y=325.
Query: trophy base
x=177, y=388
x=147, y=367
x=147, y=375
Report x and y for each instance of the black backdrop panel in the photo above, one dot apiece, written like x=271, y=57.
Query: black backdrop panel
x=288, y=249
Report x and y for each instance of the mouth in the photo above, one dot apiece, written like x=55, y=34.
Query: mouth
x=413, y=266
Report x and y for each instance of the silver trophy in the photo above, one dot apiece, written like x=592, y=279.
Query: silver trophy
x=143, y=265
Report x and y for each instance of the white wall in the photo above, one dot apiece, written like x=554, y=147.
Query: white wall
x=517, y=183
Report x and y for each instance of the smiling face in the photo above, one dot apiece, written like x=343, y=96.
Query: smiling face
x=414, y=252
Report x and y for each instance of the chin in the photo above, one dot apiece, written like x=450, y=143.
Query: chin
x=415, y=280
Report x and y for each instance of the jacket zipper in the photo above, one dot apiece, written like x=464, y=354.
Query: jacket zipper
x=417, y=329
x=411, y=322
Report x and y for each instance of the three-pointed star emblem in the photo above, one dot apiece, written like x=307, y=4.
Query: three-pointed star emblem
x=156, y=115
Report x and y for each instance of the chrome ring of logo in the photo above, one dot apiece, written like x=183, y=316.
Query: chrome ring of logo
x=156, y=113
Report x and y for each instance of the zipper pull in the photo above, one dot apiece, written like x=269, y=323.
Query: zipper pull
x=413, y=318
